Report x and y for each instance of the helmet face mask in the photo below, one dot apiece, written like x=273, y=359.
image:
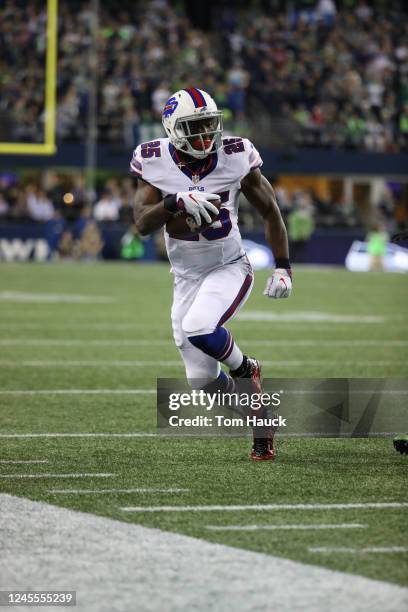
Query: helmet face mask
x=201, y=133
x=192, y=129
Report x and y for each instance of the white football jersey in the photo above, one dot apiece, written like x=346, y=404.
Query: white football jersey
x=158, y=163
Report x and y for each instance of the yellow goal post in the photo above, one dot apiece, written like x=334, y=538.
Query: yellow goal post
x=48, y=147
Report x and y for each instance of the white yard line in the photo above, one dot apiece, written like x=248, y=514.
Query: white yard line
x=42, y=298
x=80, y=342
x=171, y=364
x=350, y=391
x=334, y=434
x=83, y=475
x=66, y=342
x=135, y=434
x=112, y=565
x=306, y=527
x=327, y=343
x=300, y=363
x=77, y=391
x=142, y=434
x=25, y=462
x=307, y=316
x=91, y=364
x=153, y=391
x=74, y=324
x=234, y=508
x=356, y=551
x=103, y=491
x=347, y=343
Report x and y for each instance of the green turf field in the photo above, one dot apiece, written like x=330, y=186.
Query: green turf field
x=72, y=328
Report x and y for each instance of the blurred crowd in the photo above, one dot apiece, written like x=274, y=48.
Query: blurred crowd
x=340, y=75
x=74, y=218
x=304, y=210
x=337, y=72
x=50, y=196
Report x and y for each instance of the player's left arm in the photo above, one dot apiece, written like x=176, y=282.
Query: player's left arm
x=260, y=194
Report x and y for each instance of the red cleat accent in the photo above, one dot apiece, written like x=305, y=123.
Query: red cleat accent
x=270, y=455
x=263, y=449
x=256, y=376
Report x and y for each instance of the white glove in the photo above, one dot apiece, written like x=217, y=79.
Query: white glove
x=197, y=204
x=279, y=285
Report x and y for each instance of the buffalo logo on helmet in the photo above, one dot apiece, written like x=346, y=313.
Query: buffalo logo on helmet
x=170, y=107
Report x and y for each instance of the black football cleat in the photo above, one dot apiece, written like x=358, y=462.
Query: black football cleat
x=250, y=369
x=263, y=450
x=401, y=444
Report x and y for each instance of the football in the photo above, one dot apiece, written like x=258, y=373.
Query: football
x=184, y=224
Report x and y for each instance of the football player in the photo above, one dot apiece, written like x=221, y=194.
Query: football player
x=213, y=278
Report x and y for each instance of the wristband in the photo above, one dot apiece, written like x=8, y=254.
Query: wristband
x=170, y=203
x=282, y=262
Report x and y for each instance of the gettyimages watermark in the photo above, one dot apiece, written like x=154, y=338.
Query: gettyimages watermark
x=255, y=406
x=332, y=407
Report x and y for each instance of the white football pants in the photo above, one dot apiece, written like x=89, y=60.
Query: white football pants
x=201, y=305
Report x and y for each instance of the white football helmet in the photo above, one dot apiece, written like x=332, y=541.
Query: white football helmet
x=193, y=122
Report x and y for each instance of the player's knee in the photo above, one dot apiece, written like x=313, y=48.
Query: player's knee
x=213, y=344
x=204, y=342
x=196, y=326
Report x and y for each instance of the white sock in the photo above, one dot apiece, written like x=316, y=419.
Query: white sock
x=234, y=359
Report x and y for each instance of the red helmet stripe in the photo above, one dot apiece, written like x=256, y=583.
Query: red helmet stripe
x=196, y=96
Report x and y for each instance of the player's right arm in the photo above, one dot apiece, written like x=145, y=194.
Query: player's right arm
x=152, y=212
x=149, y=211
